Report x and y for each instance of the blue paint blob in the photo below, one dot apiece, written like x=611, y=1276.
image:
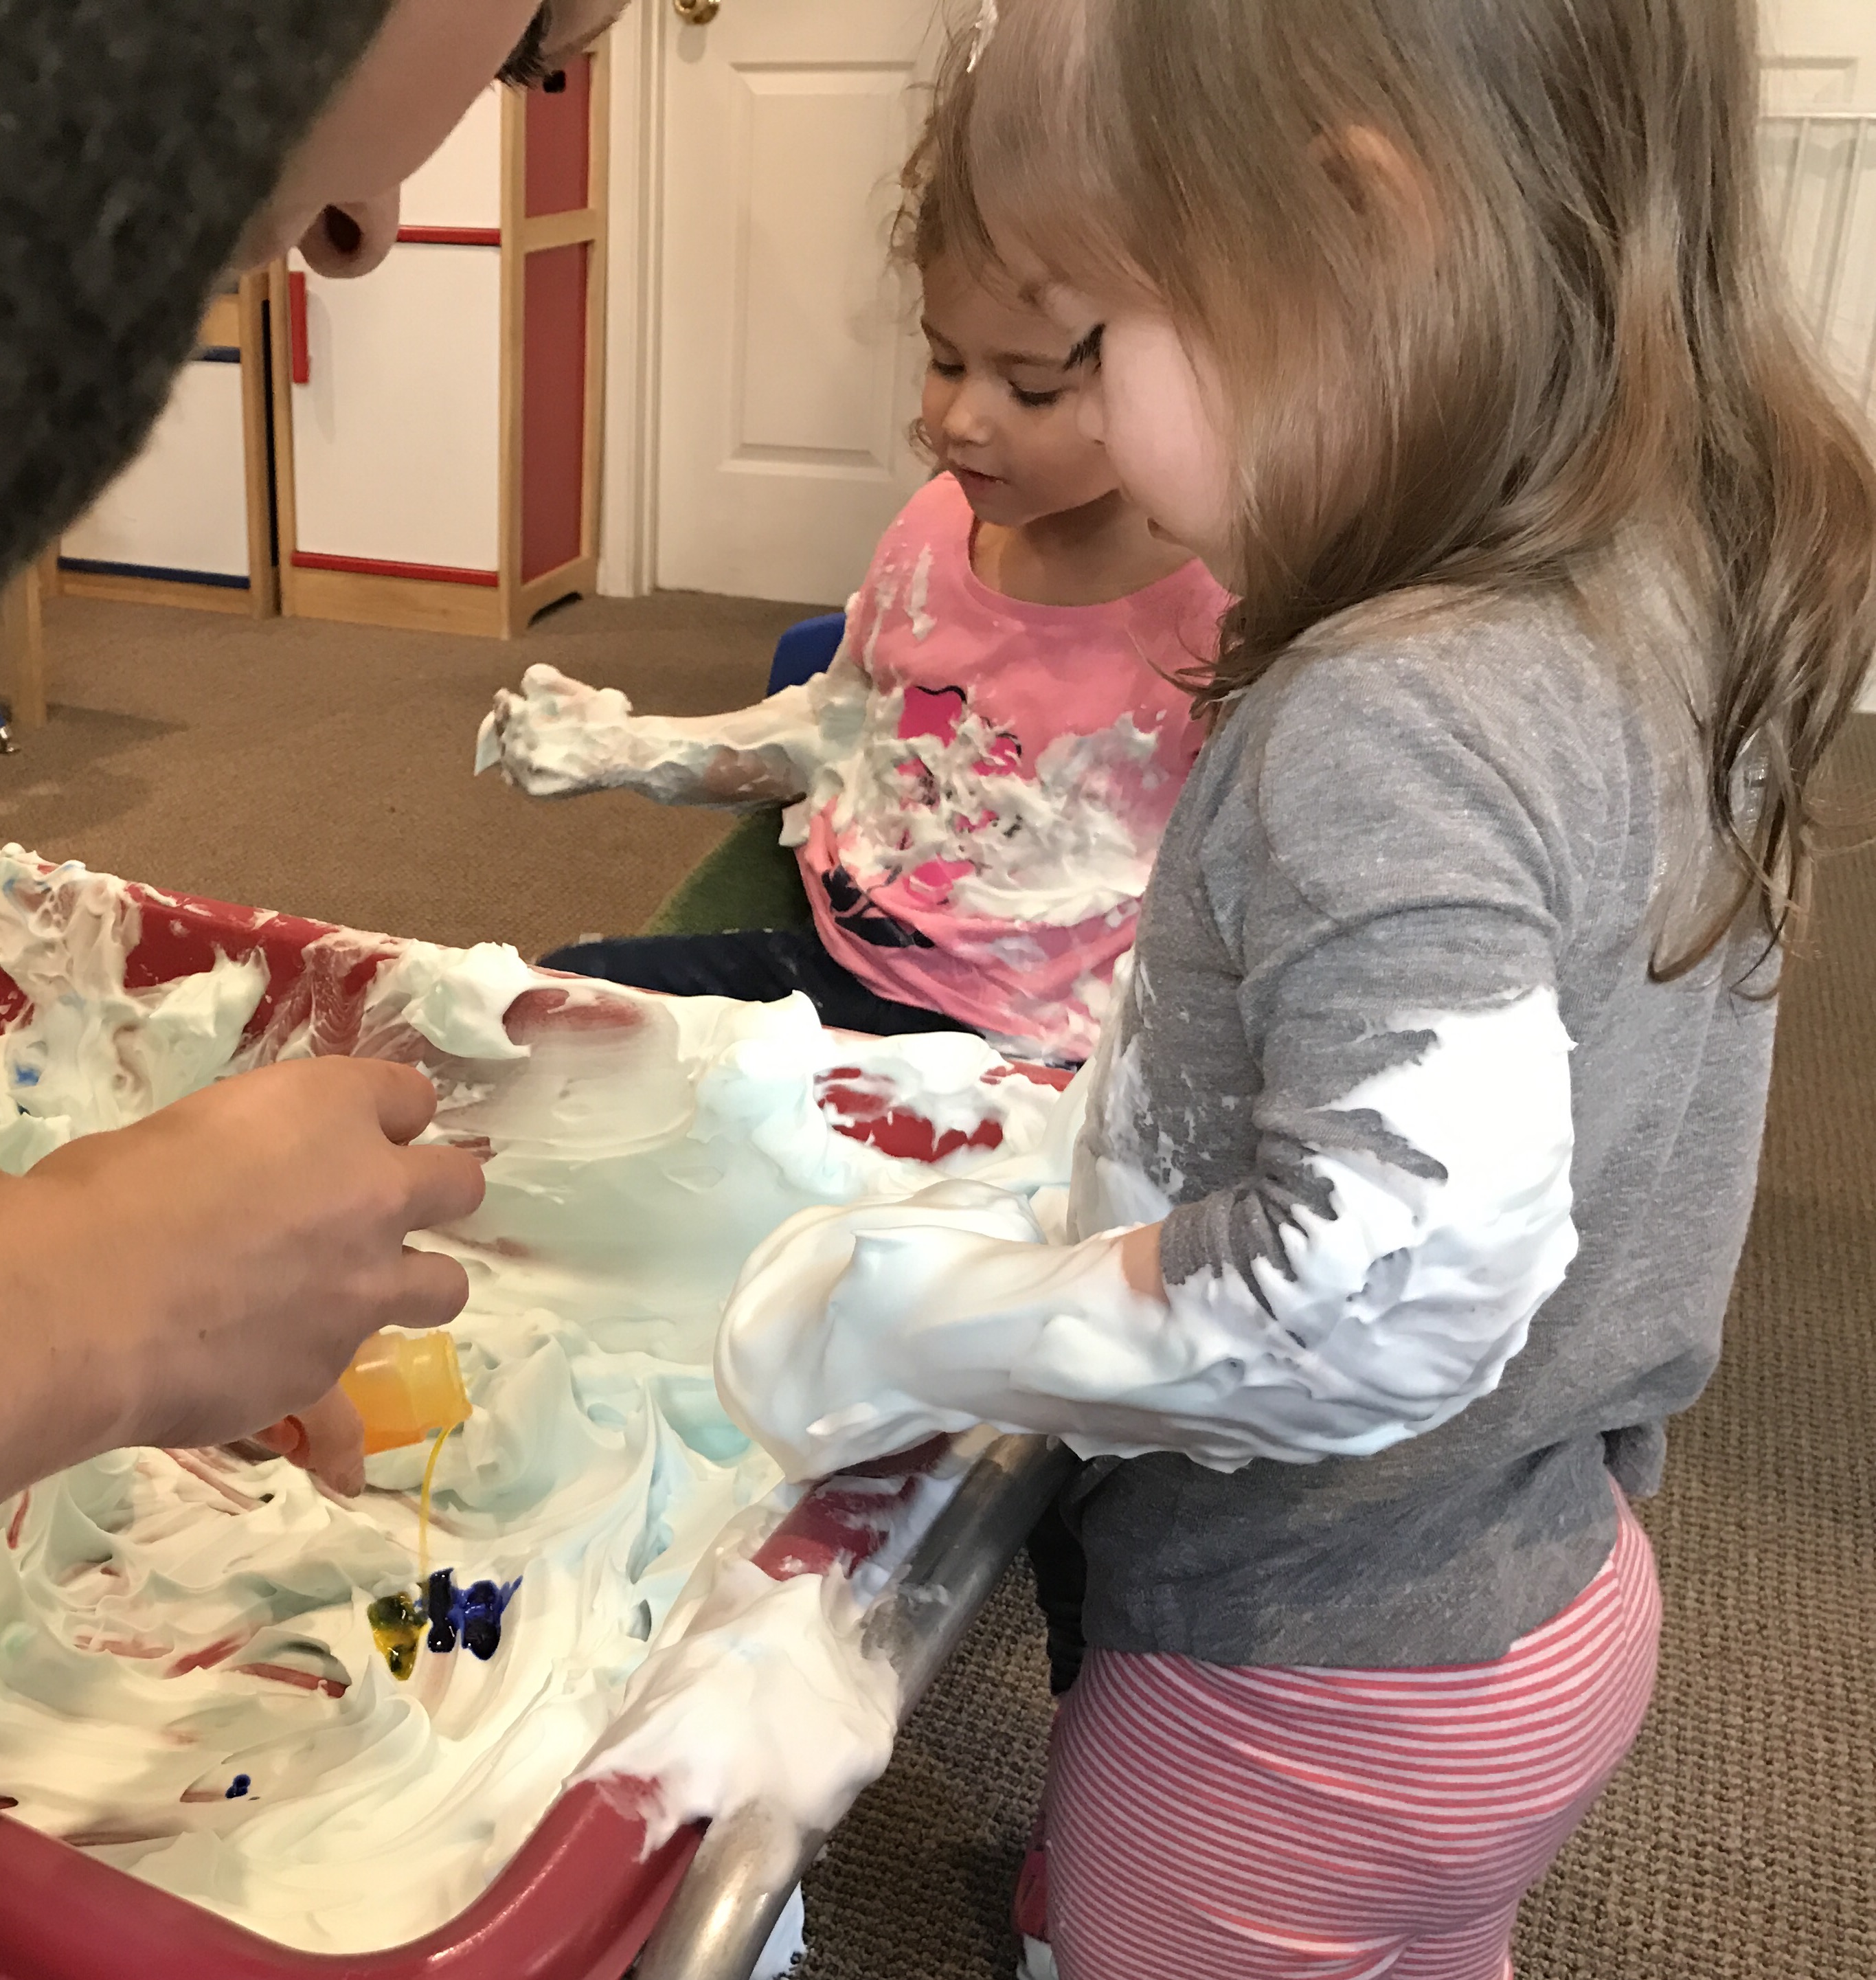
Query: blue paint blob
x=439, y=1604
x=25, y=1075
x=478, y=1615
x=238, y=1787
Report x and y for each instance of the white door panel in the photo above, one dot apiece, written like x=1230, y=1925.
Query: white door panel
x=1821, y=176
x=1820, y=54
x=788, y=360
x=182, y=505
x=396, y=436
x=460, y=184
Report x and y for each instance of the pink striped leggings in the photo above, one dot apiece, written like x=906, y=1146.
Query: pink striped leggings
x=1208, y=1822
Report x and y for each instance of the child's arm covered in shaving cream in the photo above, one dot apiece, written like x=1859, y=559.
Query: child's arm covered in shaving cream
x=1422, y=1226
x=557, y=736
x=1337, y=1090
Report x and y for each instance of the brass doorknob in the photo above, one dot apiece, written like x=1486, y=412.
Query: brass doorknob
x=699, y=13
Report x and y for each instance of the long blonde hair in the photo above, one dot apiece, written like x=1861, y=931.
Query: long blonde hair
x=1594, y=342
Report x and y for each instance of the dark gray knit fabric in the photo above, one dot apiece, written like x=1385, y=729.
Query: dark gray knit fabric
x=1430, y=820
x=137, y=138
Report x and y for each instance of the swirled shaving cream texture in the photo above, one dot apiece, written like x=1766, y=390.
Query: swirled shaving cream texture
x=187, y=1681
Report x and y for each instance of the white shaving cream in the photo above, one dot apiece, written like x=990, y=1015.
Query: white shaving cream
x=188, y=1682
x=557, y=736
x=856, y=1329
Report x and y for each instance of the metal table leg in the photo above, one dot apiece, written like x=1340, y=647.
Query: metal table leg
x=720, y=1920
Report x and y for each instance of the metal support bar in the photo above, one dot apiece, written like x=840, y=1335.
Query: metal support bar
x=721, y=1918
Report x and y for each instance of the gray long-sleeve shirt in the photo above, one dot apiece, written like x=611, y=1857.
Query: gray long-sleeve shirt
x=1398, y=868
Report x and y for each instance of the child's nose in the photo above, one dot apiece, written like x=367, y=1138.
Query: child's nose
x=1090, y=414
x=966, y=419
x=967, y=412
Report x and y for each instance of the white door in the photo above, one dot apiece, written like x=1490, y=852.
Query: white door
x=1820, y=54
x=787, y=362
x=1821, y=156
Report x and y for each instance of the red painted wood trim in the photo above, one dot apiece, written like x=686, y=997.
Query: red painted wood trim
x=553, y=405
x=430, y=573
x=556, y=156
x=451, y=236
x=299, y=349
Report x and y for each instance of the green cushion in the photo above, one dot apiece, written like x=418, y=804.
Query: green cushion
x=749, y=881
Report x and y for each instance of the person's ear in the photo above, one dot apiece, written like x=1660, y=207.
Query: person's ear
x=351, y=238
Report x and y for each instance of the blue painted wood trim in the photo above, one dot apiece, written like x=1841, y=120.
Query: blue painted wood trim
x=103, y=567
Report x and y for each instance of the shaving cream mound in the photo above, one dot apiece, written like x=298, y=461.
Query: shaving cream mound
x=194, y=1675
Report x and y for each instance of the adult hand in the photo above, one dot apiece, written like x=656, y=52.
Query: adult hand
x=327, y=1438
x=216, y=1266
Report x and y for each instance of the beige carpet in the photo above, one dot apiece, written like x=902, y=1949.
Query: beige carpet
x=324, y=770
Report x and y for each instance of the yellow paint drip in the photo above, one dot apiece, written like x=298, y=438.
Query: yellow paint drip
x=423, y=1512
x=397, y=1628
x=397, y=1620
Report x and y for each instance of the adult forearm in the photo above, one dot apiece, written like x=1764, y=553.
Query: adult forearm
x=63, y=1398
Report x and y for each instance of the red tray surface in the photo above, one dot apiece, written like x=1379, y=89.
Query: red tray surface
x=580, y=1898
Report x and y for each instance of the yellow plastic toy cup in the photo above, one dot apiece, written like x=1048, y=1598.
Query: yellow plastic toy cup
x=407, y=1386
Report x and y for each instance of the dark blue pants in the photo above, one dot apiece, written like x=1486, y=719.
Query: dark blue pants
x=758, y=965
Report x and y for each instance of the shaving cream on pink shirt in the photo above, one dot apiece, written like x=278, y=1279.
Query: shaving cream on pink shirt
x=982, y=849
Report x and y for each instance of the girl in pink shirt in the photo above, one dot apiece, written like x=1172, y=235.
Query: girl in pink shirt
x=977, y=786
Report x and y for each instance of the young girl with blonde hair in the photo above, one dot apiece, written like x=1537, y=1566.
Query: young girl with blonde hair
x=1419, y=1151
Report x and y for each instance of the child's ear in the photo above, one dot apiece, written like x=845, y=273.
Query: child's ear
x=1377, y=177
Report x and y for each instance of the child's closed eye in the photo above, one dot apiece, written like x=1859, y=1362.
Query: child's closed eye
x=1036, y=399
x=1086, y=355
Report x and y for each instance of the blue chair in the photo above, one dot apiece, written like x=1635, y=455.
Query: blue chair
x=750, y=881
x=806, y=650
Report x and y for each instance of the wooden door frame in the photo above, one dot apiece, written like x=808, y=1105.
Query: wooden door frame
x=628, y=547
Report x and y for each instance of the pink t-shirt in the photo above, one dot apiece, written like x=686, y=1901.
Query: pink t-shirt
x=994, y=826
